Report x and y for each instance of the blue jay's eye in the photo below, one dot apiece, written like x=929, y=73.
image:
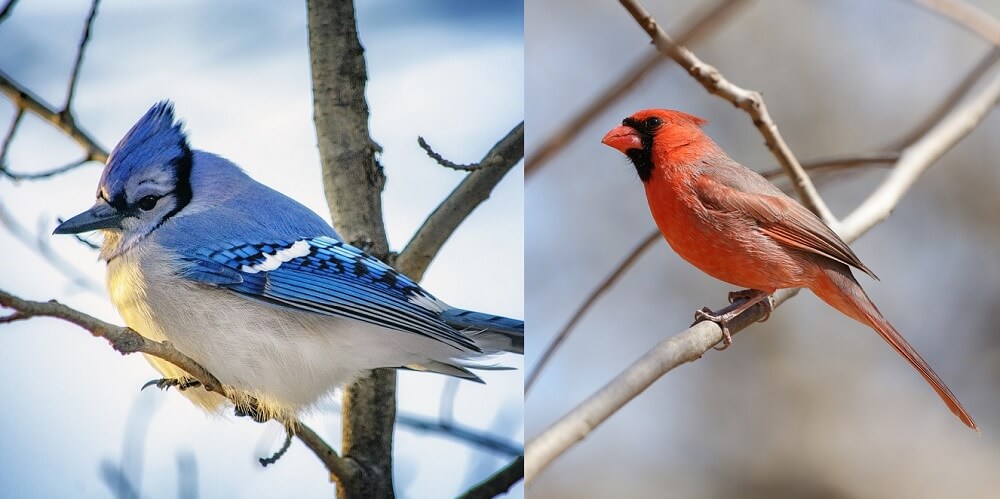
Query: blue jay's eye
x=147, y=203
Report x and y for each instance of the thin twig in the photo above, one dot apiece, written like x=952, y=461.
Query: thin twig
x=9, y=137
x=471, y=167
x=498, y=483
x=81, y=48
x=694, y=342
x=44, y=174
x=750, y=101
x=481, y=440
x=605, y=285
x=839, y=163
x=703, y=23
x=23, y=98
x=472, y=191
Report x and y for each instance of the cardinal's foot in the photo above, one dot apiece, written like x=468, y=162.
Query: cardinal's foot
x=706, y=314
x=748, y=297
x=165, y=383
x=752, y=296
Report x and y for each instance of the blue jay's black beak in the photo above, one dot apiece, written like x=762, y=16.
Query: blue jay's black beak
x=100, y=216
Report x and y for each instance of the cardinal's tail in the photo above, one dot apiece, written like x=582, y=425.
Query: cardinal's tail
x=838, y=288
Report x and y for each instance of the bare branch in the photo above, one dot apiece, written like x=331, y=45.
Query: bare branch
x=44, y=174
x=5, y=147
x=703, y=24
x=916, y=158
x=604, y=287
x=353, y=181
x=967, y=15
x=692, y=343
x=839, y=163
x=459, y=432
x=750, y=101
x=24, y=99
x=499, y=483
x=337, y=466
x=471, y=167
x=472, y=191
x=127, y=341
x=81, y=48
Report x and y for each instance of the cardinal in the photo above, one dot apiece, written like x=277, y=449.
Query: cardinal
x=734, y=225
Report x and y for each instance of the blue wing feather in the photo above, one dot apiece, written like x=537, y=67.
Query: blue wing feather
x=327, y=277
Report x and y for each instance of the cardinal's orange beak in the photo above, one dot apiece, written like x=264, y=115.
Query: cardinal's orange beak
x=623, y=138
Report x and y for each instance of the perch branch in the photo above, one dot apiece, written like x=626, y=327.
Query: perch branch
x=127, y=341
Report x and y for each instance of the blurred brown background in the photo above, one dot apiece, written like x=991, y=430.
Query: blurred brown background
x=810, y=403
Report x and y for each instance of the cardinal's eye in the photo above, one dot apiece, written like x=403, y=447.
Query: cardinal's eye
x=653, y=123
x=147, y=203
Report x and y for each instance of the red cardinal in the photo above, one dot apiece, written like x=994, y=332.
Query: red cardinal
x=734, y=225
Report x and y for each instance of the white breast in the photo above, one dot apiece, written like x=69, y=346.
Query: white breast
x=285, y=359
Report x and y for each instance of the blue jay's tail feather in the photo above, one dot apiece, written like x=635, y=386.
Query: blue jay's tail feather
x=491, y=332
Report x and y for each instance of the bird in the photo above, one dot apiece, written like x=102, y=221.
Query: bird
x=734, y=225
x=257, y=288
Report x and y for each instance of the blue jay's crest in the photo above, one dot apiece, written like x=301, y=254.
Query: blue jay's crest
x=156, y=142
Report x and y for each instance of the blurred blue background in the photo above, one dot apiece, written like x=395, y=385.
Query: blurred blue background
x=809, y=403
x=449, y=71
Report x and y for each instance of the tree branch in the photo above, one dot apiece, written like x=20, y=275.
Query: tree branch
x=24, y=99
x=694, y=342
x=499, y=483
x=469, y=194
x=750, y=101
x=81, y=48
x=127, y=341
x=353, y=181
x=703, y=24
x=458, y=432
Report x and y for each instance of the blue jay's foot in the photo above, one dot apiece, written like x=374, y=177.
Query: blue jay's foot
x=165, y=383
x=264, y=461
x=739, y=301
x=251, y=411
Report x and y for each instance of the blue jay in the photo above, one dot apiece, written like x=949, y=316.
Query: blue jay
x=257, y=288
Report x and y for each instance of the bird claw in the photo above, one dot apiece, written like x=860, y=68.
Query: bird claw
x=706, y=314
x=165, y=383
x=251, y=411
x=749, y=297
